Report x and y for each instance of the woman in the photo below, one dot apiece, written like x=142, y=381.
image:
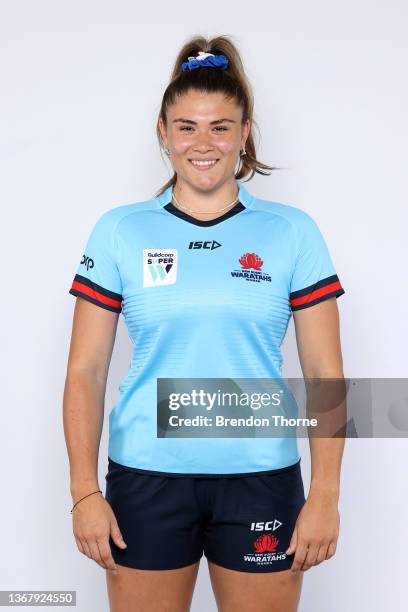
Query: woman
x=207, y=277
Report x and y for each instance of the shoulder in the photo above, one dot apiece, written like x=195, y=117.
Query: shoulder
x=296, y=218
x=110, y=220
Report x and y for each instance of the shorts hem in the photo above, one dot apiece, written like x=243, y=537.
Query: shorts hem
x=158, y=569
x=247, y=571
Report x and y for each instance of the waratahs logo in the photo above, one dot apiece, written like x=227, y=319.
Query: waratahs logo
x=251, y=260
x=266, y=543
x=251, y=268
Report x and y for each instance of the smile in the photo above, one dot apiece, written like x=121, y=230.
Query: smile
x=203, y=165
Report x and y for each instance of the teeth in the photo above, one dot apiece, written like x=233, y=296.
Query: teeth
x=203, y=163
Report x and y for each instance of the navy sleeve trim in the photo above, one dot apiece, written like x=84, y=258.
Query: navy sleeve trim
x=87, y=289
x=318, y=292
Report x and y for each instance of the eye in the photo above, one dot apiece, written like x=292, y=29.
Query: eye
x=187, y=128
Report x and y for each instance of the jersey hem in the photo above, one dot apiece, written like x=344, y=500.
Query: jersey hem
x=203, y=474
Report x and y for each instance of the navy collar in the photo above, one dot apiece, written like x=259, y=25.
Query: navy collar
x=245, y=200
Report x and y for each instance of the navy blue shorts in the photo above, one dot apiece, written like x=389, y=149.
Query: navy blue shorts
x=243, y=523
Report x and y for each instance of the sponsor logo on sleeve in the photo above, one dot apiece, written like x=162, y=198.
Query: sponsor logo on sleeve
x=86, y=261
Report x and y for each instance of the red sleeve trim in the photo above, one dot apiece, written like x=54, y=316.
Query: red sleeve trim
x=87, y=289
x=322, y=290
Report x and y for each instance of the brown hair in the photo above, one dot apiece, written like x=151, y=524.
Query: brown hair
x=231, y=81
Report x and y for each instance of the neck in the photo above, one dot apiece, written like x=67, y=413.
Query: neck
x=210, y=201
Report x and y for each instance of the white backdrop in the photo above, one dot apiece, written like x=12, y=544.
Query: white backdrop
x=81, y=84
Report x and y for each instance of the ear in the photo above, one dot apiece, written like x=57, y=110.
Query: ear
x=245, y=130
x=163, y=131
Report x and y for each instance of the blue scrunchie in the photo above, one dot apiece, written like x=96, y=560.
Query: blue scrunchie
x=216, y=61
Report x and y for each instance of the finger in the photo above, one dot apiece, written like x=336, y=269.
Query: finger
x=96, y=556
x=79, y=544
x=86, y=548
x=331, y=550
x=300, y=555
x=102, y=561
x=322, y=553
x=106, y=554
x=293, y=543
x=310, y=558
x=116, y=535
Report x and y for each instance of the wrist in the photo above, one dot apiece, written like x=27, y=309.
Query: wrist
x=79, y=489
x=85, y=497
x=324, y=488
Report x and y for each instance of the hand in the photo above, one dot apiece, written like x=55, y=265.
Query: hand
x=316, y=531
x=93, y=522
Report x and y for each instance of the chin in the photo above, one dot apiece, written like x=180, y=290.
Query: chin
x=202, y=182
x=207, y=185
x=209, y=181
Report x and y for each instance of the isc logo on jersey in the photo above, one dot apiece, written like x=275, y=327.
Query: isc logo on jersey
x=159, y=267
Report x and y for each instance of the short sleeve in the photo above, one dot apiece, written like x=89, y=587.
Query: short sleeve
x=314, y=277
x=97, y=278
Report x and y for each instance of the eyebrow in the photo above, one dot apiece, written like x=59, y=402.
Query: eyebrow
x=181, y=120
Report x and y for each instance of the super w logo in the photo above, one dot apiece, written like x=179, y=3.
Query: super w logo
x=159, y=271
x=159, y=267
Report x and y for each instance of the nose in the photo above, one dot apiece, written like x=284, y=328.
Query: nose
x=202, y=143
x=202, y=148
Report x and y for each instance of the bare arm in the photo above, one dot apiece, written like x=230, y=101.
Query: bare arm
x=92, y=340
x=318, y=340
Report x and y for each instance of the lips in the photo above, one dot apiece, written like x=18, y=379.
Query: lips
x=203, y=164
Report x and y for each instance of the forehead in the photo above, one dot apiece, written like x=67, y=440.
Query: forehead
x=203, y=105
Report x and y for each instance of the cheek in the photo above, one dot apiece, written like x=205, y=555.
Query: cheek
x=180, y=146
x=180, y=143
x=227, y=146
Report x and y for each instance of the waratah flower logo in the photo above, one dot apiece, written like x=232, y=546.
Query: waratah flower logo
x=266, y=543
x=251, y=260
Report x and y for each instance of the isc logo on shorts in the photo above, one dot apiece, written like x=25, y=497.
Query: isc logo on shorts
x=265, y=545
x=159, y=267
x=268, y=526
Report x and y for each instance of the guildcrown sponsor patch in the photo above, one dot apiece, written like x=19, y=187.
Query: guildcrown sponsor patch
x=159, y=267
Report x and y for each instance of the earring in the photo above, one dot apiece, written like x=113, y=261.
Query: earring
x=166, y=151
x=243, y=152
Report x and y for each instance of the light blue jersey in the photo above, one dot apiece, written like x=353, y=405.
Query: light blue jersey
x=201, y=299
